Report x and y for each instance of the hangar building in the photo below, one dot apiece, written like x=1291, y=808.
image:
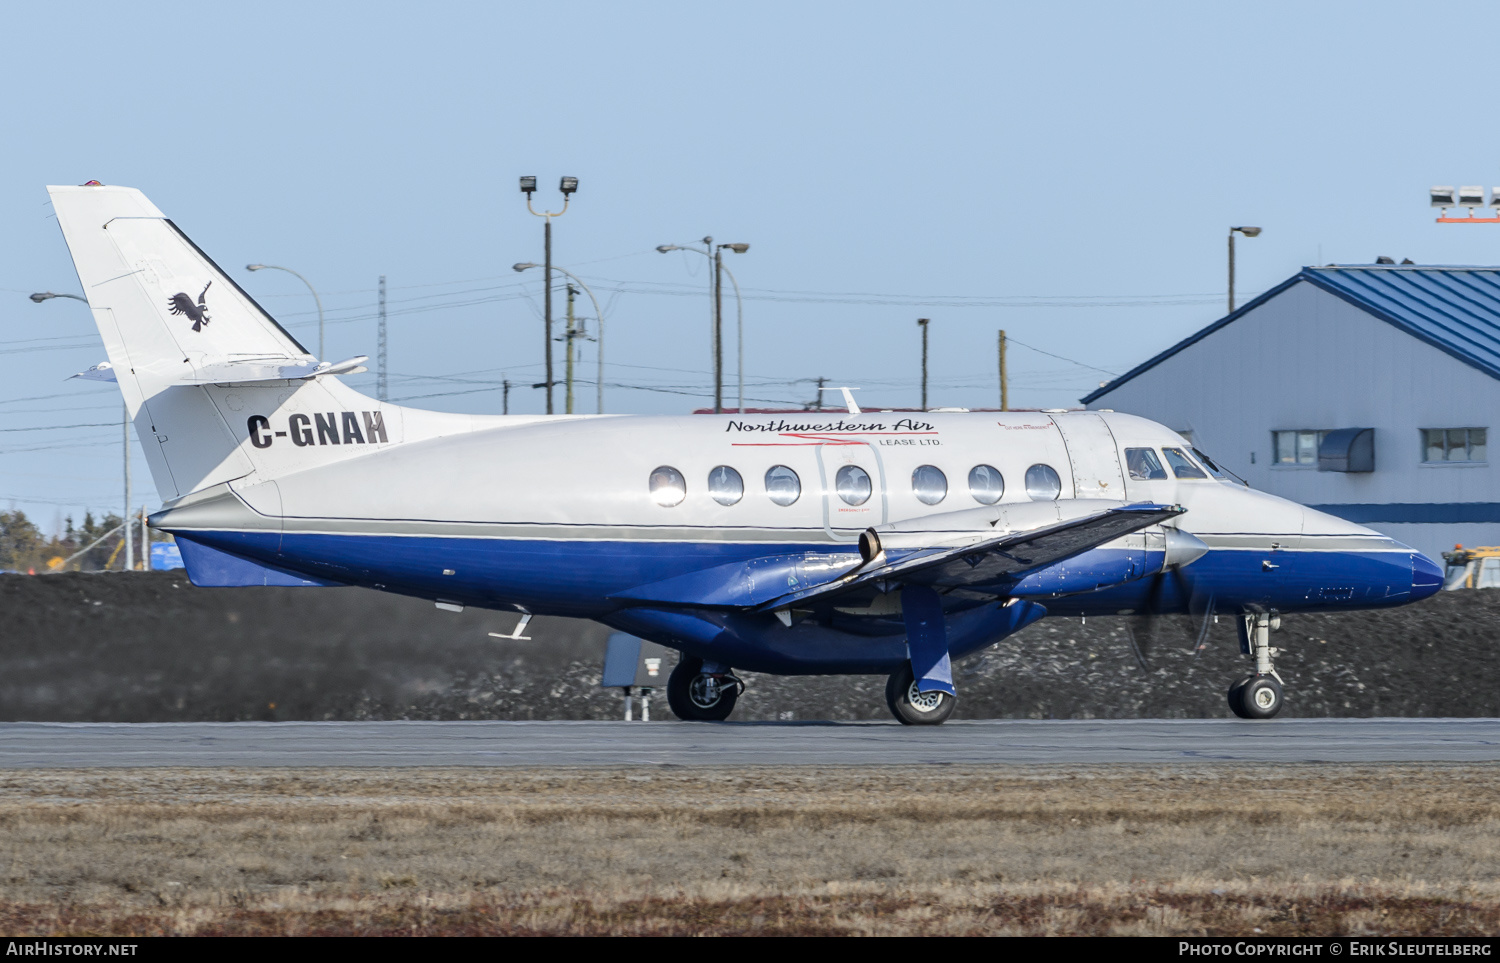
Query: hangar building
x=1365, y=391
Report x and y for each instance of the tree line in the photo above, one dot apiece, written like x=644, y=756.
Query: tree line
x=23, y=547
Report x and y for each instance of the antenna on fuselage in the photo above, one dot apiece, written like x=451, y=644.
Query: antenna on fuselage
x=848, y=398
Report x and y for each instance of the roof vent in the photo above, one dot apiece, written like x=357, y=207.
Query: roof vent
x=1385, y=260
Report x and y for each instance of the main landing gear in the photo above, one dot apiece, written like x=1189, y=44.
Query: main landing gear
x=702, y=692
x=1257, y=696
x=913, y=708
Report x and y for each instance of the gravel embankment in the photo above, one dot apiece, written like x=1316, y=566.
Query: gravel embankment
x=151, y=647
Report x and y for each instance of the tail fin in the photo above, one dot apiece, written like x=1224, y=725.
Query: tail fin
x=205, y=371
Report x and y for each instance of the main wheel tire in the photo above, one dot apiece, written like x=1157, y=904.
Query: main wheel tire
x=686, y=694
x=1258, y=697
x=913, y=708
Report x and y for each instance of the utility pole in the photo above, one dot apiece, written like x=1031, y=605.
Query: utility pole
x=572, y=293
x=1004, y=388
x=719, y=329
x=505, y=397
x=819, y=403
x=922, y=323
x=145, y=543
x=125, y=426
x=380, y=385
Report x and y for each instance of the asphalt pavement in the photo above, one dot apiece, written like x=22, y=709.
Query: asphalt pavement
x=27, y=745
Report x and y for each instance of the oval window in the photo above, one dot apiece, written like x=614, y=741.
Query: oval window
x=986, y=484
x=929, y=484
x=668, y=487
x=1042, y=483
x=853, y=484
x=783, y=485
x=725, y=485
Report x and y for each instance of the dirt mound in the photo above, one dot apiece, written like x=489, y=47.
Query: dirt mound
x=150, y=647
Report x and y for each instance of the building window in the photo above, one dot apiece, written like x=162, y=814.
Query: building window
x=1453, y=444
x=1296, y=447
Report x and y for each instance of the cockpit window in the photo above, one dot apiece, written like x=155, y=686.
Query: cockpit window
x=1144, y=465
x=1208, y=463
x=1182, y=466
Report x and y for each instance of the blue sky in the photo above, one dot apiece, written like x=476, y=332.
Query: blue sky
x=1064, y=171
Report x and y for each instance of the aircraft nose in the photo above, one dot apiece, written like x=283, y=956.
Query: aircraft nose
x=1426, y=577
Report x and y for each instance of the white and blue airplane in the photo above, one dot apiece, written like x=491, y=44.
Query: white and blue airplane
x=811, y=543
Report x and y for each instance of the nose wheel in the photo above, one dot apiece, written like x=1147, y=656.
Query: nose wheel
x=1257, y=696
x=697, y=695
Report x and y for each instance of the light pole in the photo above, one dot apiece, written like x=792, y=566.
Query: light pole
x=39, y=297
x=316, y=300
x=1248, y=232
x=599, y=315
x=922, y=323
x=568, y=186
x=715, y=253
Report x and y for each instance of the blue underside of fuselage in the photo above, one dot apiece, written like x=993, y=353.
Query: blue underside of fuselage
x=579, y=577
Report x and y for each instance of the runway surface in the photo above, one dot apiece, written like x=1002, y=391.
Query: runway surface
x=26, y=745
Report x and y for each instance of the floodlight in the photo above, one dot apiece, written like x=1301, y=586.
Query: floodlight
x=528, y=184
x=1442, y=197
x=568, y=185
x=1471, y=197
x=738, y=248
x=1495, y=197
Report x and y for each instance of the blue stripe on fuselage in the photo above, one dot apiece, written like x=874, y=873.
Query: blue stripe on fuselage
x=576, y=577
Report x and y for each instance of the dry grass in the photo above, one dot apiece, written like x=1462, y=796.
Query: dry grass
x=1164, y=850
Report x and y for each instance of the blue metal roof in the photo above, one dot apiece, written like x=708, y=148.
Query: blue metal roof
x=1454, y=309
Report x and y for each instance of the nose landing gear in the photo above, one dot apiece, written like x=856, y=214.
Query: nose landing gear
x=1257, y=696
x=698, y=692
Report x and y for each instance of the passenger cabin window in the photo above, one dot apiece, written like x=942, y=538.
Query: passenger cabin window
x=1182, y=466
x=782, y=485
x=1296, y=447
x=725, y=485
x=1454, y=444
x=929, y=484
x=1144, y=465
x=1042, y=483
x=853, y=484
x=986, y=484
x=668, y=487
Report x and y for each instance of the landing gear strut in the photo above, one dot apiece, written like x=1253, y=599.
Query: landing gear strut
x=698, y=695
x=1257, y=696
x=913, y=708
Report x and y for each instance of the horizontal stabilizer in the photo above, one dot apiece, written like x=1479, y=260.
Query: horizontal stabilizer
x=103, y=371
x=209, y=567
x=242, y=372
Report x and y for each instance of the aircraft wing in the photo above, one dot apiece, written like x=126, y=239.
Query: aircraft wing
x=989, y=561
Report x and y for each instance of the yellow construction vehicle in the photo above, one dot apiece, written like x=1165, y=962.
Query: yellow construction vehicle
x=1477, y=567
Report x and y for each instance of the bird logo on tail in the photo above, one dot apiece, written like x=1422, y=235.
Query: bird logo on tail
x=197, y=313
